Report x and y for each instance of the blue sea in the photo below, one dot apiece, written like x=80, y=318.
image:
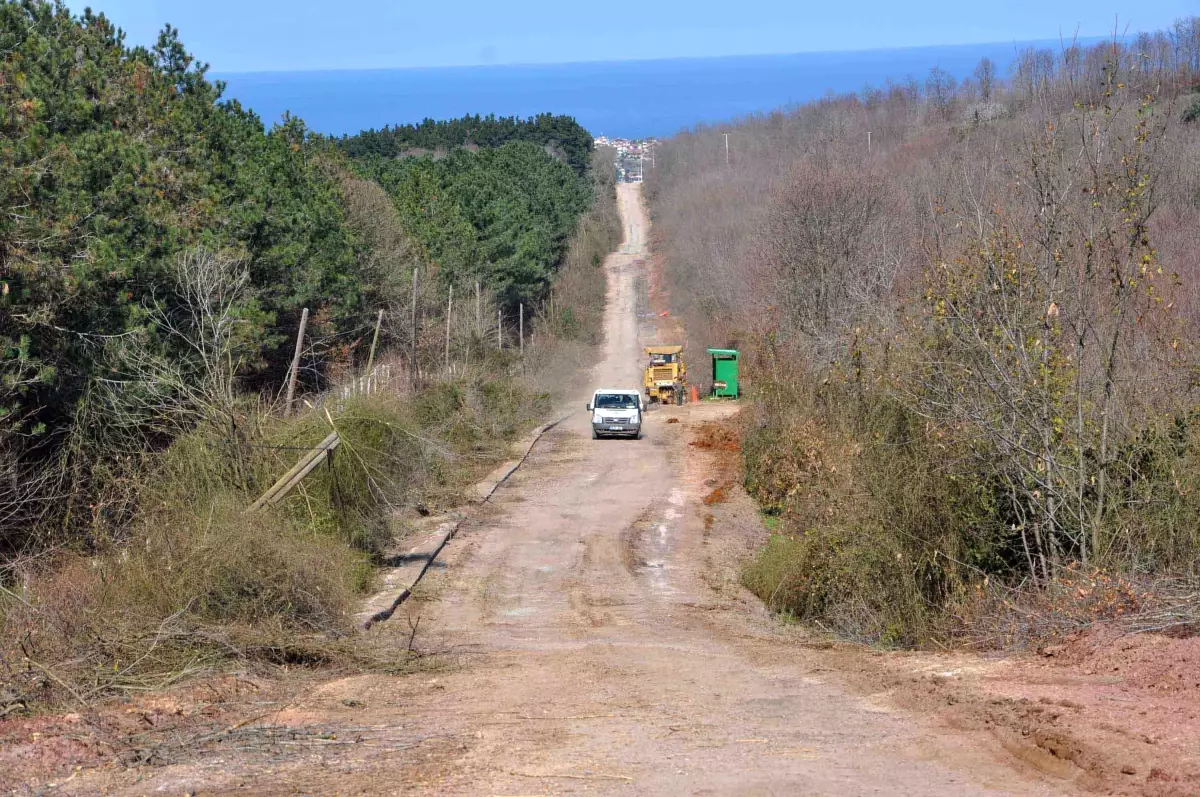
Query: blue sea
x=632, y=99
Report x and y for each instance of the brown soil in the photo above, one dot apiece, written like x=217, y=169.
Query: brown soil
x=587, y=632
x=1151, y=662
x=717, y=437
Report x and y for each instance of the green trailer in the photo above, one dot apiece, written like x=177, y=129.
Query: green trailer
x=724, y=373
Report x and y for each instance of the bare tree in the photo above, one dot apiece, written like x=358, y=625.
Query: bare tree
x=985, y=77
x=815, y=252
x=178, y=371
x=939, y=90
x=1011, y=284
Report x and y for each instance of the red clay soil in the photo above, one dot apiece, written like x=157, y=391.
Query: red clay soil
x=1153, y=662
x=717, y=437
x=1133, y=699
x=42, y=752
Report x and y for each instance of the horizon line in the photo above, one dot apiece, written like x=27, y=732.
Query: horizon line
x=679, y=58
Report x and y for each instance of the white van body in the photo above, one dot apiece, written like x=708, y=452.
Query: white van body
x=616, y=412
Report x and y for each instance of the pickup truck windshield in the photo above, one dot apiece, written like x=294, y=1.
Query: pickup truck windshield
x=616, y=401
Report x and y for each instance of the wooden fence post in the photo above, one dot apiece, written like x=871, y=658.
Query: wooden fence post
x=291, y=388
x=374, y=343
x=412, y=350
x=279, y=490
x=449, y=310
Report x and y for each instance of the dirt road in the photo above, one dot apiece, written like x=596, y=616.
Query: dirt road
x=605, y=652
x=601, y=645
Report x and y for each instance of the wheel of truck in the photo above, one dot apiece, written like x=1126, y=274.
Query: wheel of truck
x=595, y=434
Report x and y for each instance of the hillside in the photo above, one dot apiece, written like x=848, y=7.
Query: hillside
x=300, y=494
x=191, y=300
x=502, y=215
x=968, y=310
x=121, y=166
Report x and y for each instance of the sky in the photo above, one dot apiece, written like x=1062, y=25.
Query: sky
x=273, y=35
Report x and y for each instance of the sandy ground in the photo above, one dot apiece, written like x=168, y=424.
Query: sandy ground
x=592, y=638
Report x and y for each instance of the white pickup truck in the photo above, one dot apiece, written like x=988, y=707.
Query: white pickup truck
x=616, y=412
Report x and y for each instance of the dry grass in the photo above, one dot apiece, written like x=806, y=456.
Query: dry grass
x=198, y=583
x=874, y=541
x=999, y=616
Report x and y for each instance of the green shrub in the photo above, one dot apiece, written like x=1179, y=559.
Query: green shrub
x=888, y=533
x=879, y=536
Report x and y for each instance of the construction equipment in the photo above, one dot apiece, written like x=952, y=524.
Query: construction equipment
x=666, y=376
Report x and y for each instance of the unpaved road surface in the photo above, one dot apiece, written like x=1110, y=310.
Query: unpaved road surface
x=612, y=656
x=599, y=644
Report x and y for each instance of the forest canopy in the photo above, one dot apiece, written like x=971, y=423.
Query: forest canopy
x=559, y=134
x=502, y=216
x=113, y=163
x=138, y=201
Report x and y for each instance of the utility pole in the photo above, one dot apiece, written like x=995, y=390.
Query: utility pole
x=499, y=329
x=868, y=142
x=478, y=310
x=449, y=310
x=412, y=351
x=726, y=150
x=291, y=388
x=521, y=328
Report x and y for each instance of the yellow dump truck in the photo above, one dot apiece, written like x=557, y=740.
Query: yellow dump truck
x=666, y=376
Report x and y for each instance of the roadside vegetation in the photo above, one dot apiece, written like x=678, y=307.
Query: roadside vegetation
x=968, y=311
x=157, y=250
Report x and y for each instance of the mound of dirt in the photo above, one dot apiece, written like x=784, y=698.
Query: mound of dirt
x=1145, y=661
x=716, y=437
